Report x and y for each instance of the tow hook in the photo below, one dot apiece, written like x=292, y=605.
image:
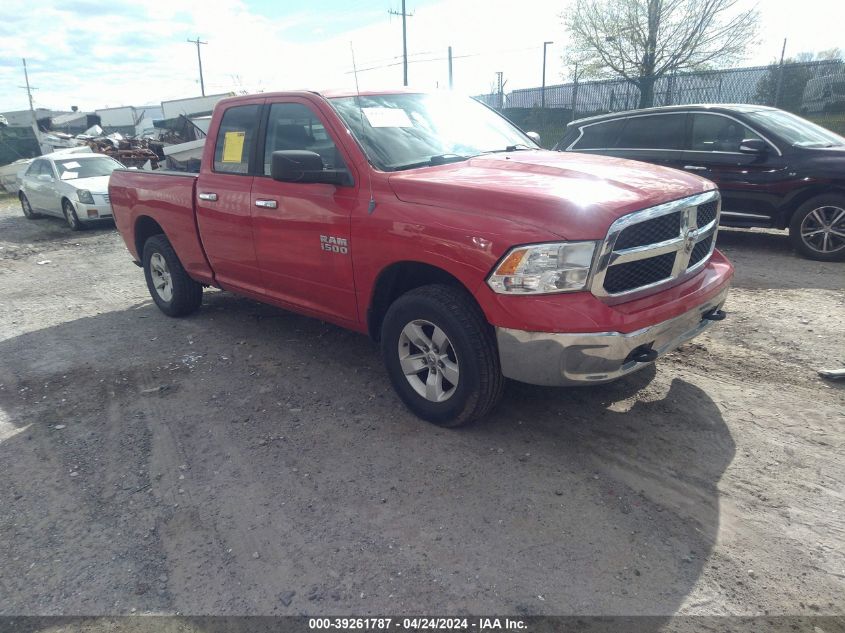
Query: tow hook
x=715, y=315
x=643, y=354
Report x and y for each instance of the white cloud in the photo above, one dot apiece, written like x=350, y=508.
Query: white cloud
x=95, y=55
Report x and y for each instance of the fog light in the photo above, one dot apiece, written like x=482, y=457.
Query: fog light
x=93, y=213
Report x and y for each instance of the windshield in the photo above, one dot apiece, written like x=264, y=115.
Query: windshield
x=795, y=130
x=74, y=168
x=403, y=131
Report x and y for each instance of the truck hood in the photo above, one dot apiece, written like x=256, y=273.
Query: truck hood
x=575, y=196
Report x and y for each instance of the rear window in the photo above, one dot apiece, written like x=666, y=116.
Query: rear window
x=656, y=131
x=599, y=135
x=236, y=139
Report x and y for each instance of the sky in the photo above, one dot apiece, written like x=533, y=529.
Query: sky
x=94, y=54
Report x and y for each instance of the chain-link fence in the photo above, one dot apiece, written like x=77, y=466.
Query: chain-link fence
x=815, y=90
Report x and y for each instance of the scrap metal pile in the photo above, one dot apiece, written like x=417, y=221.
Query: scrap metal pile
x=132, y=152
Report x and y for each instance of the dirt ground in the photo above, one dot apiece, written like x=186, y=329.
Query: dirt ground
x=250, y=461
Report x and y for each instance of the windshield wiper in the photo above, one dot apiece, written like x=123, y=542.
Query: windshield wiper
x=440, y=159
x=519, y=147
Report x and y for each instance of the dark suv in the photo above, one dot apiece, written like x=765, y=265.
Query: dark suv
x=774, y=169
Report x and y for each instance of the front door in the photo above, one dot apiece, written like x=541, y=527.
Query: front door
x=747, y=181
x=302, y=230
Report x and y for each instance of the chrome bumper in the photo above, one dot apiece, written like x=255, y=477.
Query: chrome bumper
x=546, y=358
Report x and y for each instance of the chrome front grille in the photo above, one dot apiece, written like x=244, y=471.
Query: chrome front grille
x=658, y=229
x=657, y=247
x=643, y=272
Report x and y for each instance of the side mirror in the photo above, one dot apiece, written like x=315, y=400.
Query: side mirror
x=296, y=165
x=45, y=178
x=534, y=137
x=753, y=146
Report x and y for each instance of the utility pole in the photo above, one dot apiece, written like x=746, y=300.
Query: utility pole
x=404, y=15
x=780, y=74
x=29, y=90
x=450, y=68
x=575, y=92
x=198, y=42
x=543, y=89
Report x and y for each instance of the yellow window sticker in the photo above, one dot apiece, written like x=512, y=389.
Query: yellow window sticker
x=233, y=147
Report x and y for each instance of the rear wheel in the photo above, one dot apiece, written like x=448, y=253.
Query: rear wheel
x=441, y=355
x=70, y=216
x=817, y=229
x=173, y=290
x=26, y=207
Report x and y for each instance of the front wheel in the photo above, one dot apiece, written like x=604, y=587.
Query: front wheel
x=174, y=292
x=441, y=355
x=817, y=229
x=70, y=216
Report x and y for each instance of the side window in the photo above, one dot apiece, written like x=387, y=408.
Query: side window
x=714, y=133
x=600, y=135
x=656, y=131
x=295, y=126
x=236, y=139
x=34, y=168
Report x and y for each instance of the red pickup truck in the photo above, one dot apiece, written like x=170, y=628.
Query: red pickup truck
x=431, y=223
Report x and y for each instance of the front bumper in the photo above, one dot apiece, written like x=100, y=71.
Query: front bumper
x=553, y=359
x=93, y=212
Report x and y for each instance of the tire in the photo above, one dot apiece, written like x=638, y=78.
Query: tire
x=29, y=214
x=70, y=216
x=467, y=352
x=173, y=291
x=817, y=228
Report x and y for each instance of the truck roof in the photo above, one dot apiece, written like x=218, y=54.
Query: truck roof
x=330, y=93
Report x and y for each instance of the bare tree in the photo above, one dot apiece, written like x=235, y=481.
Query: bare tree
x=643, y=40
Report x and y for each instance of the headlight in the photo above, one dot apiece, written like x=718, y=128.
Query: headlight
x=85, y=196
x=544, y=268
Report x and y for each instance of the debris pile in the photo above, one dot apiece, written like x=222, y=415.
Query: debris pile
x=132, y=152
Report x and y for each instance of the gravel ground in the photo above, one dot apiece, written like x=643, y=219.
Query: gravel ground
x=247, y=460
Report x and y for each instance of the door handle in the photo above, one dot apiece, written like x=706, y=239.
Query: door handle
x=267, y=204
x=695, y=168
x=211, y=197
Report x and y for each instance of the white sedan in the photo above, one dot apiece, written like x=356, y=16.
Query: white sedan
x=75, y=187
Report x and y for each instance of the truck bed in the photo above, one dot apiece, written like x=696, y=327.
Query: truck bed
x=145, y=203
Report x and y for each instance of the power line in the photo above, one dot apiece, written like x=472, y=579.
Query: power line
x=199, y=59
x=438, y=59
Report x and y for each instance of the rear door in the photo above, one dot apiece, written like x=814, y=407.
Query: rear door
x=653, y=138
x=32, y=185
x=748, y=182
x=302, y=230
x=223, y=200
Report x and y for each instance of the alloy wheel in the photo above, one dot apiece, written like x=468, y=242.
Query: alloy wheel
x=428, y=360
x=823, y=229
x=162, y=281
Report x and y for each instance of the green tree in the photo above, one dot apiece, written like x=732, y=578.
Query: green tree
x=795, y=78
x=643, y=40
